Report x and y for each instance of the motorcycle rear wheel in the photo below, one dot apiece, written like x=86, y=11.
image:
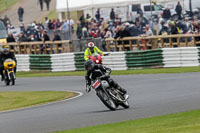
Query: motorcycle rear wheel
x=7, y=82
x=108, y=102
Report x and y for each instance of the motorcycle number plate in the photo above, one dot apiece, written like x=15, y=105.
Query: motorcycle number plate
x=96, y=84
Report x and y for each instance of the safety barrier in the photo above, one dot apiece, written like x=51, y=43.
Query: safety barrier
x=144, y=59
x=40, y=62
x=115, y=61
x=23, y=63
x=180, y=57
x=153, y=42
x=48, y=47
x=79, y=61
x=62, y=62
x=158, y=58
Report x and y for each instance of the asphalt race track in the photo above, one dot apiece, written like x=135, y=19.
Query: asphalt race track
x=150, y=95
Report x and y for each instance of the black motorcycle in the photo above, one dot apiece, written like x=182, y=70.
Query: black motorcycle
x=111, y=97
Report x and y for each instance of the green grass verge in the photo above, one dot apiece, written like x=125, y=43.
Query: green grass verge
x=186, y=122
x=14, y=100
x=51, y=15
x=124, y=72
x=5, y=4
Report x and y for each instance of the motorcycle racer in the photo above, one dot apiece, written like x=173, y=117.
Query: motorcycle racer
x=95, y=71
x=3, y=56
x=91, y=50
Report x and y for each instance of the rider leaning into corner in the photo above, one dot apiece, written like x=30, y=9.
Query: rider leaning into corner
x=92, y=74
x=5, y=54
x=92, y=49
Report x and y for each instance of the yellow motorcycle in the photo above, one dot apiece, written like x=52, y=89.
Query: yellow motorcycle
x=8, y=72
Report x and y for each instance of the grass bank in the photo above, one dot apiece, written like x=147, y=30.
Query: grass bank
x=15, y=100
x=187, y=122
x=124, y=72
x=6, y=4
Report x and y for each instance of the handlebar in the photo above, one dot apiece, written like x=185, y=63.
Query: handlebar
x=107, y=54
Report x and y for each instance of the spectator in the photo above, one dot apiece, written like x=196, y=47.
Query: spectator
x=164, y=28
x=50, y=25
x=89, y=18
x=46, y=23
x=5, y=20
x=188, y=25
x=125, y=33
x=166, y=14
x=133, y=30
x=58, y=24
x=41, y=4
x=195, y=18
x=71, y=24
x=104, y=24
x=41, y=26
x=11, y=39
x=160, y=19
x=93, y=33
x=97, y=15
x=173, y=30
x=22, y=27
x=79, y=30
x=145, y=41
x=47, y=3
x=106, y=34
x=112, y=15
x=85, y=33
x=20, y=13
x=65, y=29
x=57, y=38
x=82, y=20
x=148, y=31
x=23, y=38
x=179, y=10
x=139, y=11
x=45, y=38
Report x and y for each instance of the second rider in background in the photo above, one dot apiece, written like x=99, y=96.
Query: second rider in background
x=92, y=49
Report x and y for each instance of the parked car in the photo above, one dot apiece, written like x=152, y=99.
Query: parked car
x=3, y=33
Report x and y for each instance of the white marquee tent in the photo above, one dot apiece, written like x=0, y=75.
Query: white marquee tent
x=61, y=5
x=92, y=4
x=85, y=5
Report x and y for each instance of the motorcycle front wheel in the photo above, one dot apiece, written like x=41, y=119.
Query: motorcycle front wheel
x=12, y=77
x=107, y=100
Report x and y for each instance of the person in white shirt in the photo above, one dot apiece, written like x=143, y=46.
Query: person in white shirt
x=71, y=24
x=148, y=31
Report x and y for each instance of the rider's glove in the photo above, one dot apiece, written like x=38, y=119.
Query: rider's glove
x=88, y=89
x=106, y=75
x=88, y=83
x=88, y=86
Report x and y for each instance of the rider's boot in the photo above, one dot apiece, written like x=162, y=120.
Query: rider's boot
x=2, y=77
x=120, y=88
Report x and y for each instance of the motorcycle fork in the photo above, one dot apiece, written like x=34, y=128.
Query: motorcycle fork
x=9, y=71
x=106, y=92
x=8, y=74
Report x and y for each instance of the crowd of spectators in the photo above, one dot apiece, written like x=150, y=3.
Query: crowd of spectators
x=97, y=27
